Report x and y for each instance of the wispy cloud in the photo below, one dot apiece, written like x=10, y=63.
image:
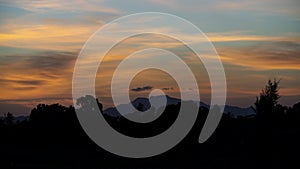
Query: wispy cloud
x=264, y=56
x=167, y=88
x=23, y=82
x=55, y=37
x=278, y=7
x=40, y=75
x=74, y=5
x=140, y=89
x=237, y=36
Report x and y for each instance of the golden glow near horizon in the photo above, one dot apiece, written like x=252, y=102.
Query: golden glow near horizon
x=40, y=41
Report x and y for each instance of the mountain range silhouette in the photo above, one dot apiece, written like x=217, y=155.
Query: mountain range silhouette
x=235, y=111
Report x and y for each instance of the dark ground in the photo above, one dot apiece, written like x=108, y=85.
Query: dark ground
x=53, y=138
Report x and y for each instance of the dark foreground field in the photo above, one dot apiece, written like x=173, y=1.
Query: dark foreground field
x=53, y=138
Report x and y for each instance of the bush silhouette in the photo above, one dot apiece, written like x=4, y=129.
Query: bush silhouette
x=53, y=137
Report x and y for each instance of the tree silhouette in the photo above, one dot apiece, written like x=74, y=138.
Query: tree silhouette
x=54, y=136
x=266, y=107
x=8, y=118
x=266, y=103
x=87, y=104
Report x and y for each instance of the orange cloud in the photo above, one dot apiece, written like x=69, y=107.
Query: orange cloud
x=41, y=76
x=267, y=56
x=49, y=37
x=243, y=36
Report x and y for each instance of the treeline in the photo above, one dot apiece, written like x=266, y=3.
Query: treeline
x=53, y=137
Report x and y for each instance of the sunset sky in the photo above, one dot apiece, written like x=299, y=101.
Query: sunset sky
x=40, y=40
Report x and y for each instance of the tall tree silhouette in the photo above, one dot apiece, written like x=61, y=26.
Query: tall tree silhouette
x=267, y=101
x=265, y=107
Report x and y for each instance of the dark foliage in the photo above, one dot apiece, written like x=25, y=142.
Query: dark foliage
x=53, y=138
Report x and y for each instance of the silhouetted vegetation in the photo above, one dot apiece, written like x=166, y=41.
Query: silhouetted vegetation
x=52, y=138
